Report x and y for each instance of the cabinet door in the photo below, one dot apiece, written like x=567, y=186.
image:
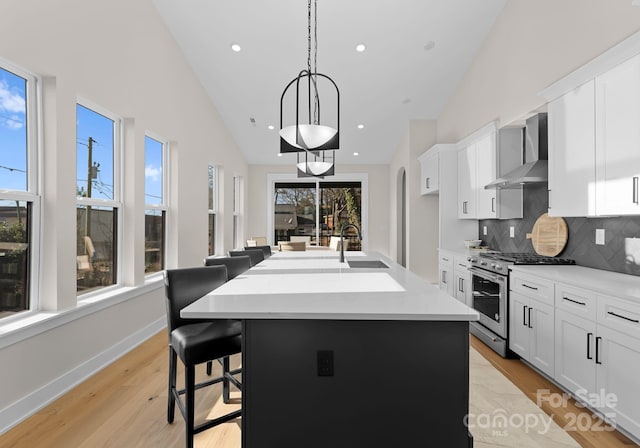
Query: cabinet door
x=618, y=139
x=430, y=170
x=486, y=172
x=445, y=272
x=571, y=123
x=466, y=182
x=618, y=364
x=518, y=324
x=574, y=352
x=541, y=343
x=462, y=286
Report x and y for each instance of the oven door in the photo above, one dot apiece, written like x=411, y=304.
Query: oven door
x=489, y=298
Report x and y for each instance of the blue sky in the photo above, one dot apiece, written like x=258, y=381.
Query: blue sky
x=89, y=124
x=13, y=132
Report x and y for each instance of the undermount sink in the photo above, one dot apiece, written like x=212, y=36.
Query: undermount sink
x=377, y=264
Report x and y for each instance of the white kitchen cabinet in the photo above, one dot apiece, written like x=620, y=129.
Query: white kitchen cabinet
x=617, y=163
x=571, y=127
x=617, y=363
x=486, y=172
x=467, y=182
x=574, y=352
x=429, y=169
x=445, y=271
x=484, y=156
x=531, y=322
x=462, y=279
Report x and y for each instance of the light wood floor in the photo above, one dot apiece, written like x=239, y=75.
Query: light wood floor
x=124, y=406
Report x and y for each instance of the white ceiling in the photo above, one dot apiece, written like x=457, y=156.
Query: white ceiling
x=393, y=81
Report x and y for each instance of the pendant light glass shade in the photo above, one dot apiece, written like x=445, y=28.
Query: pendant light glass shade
x=310, y=137
x=315, y=165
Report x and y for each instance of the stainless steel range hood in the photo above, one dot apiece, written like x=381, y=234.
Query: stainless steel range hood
x=535, y=168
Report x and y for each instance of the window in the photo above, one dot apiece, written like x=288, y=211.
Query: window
x=237, y=211
x=213, y=205
x=98, y=198
x=19, y=200
x=317, y=209
x=155, y=204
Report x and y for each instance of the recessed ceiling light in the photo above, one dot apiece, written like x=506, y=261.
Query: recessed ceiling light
x=236, y=47
x=356, y=153
x=271, y=127
x=360, y=48
x=429, y=45
x=361, y=126
x=279, y=154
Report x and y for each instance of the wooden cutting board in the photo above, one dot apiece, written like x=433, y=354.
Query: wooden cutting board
x=549, y=235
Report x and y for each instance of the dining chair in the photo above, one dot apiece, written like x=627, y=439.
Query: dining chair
x=235, y=265
x=255, y=254
x=197, y=342
x=260, y=240
x=266, y=250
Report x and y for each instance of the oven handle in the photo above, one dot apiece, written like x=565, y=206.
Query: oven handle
x=497, y=278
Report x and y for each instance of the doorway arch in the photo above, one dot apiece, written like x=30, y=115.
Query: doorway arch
x=401, y=217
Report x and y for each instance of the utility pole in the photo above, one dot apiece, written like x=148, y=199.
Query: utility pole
x=90, y=177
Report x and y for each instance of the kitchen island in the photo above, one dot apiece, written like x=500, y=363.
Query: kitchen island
x=336, y=356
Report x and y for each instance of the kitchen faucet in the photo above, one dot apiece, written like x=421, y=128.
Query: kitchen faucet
x=346, y=226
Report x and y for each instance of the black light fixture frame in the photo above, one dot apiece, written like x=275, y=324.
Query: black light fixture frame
x=330, y=172
x=331, y=144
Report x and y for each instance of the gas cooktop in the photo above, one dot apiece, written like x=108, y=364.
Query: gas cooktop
x=526, y=258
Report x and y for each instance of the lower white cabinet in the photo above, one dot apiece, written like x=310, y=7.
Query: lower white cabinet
x=462, y=280
x=617, y=367
x=531, y=331
x=445, y=271
x=575, y=348
x=600, y=364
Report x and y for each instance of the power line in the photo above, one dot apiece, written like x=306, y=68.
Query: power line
x=12, y=169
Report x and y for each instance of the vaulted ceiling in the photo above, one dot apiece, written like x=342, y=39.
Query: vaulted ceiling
x=417, y=51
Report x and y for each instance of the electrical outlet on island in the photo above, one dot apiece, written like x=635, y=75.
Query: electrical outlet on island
x=512, y=231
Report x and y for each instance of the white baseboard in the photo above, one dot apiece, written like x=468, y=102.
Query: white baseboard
x=29, y=405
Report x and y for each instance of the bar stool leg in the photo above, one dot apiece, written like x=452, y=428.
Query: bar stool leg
x=225, y=380
x=171, y=408
x=189, y=383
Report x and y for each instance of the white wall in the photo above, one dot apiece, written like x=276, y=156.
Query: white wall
x=119, y=55
x=422, y=211
x=531, y=45
x=378, y=225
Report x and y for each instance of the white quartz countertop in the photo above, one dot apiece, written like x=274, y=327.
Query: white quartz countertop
x=608, y=283
x=315, y=285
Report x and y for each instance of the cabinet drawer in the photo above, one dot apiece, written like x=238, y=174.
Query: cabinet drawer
x=620, y=315
x=460, y=263
x=533, y=287
x=579, y=302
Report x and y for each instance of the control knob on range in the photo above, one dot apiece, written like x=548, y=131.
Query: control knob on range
x=498, y=267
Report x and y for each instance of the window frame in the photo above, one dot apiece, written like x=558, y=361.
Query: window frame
x=164, y=205
x=32, y=195
x=213, y=192
x=116, y=203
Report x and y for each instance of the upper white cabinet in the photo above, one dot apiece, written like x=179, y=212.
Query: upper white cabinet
x=594, y=136
x=571, y=121
x=467, y=182
x=483, y=157
x=618, y=139
x=429, y=169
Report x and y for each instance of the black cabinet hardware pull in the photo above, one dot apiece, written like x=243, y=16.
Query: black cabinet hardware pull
x=530, y=287
x=524, y=315
x=493, y=205
x=623, y=317
x=589, y=336
x=460, y=284
x=530, y=326
x=635, y=190
x=574, y=301
x=598, y=338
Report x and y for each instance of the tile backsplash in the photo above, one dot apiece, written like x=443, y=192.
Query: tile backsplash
x=620, y=253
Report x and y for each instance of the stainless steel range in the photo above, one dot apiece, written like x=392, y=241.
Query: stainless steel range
x=490, y=288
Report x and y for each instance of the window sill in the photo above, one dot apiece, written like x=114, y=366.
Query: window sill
x=34, y=323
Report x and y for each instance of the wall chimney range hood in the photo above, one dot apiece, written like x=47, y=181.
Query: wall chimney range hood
x=535, y=165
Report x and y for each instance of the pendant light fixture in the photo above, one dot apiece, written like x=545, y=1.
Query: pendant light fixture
x=310, y=137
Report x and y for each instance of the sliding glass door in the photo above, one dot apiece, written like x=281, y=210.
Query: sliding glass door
x=316, y=211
